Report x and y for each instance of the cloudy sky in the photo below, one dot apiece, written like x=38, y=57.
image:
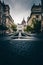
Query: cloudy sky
x=20, y=9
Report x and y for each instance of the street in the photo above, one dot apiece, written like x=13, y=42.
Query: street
x=21, y=51
x=21, y=32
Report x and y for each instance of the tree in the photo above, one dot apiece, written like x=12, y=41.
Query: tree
x=14, y=27
x=36, y=25
x=29, y=28
x=2, y=28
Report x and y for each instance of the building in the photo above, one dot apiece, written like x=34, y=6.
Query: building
x=5, y=17
x=42, y=15
x=35, y=14
x=19, y=27
x=23, y=22
x=22, y=26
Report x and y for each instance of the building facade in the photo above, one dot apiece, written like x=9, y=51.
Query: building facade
x=42, y=15
x=5, y=17
x=35, y=14
x=22, y=26
x=19, y=27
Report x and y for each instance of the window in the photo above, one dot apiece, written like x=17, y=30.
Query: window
x=37, y=16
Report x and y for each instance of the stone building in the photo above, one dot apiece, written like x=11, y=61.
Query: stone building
x=5, y=17
x=42, y=15
x=35, y=13
x=22, y=26
x=19, y=28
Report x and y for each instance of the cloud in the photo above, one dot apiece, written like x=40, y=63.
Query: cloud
x=20, y=8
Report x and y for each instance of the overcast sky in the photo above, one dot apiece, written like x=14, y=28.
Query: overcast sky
x=20, y=9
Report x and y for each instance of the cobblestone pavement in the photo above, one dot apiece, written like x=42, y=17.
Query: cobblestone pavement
x=21, y=52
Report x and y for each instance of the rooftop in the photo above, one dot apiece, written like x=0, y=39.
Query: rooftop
x=36, y=6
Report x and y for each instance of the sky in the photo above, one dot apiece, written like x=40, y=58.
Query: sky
x=20, y=9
